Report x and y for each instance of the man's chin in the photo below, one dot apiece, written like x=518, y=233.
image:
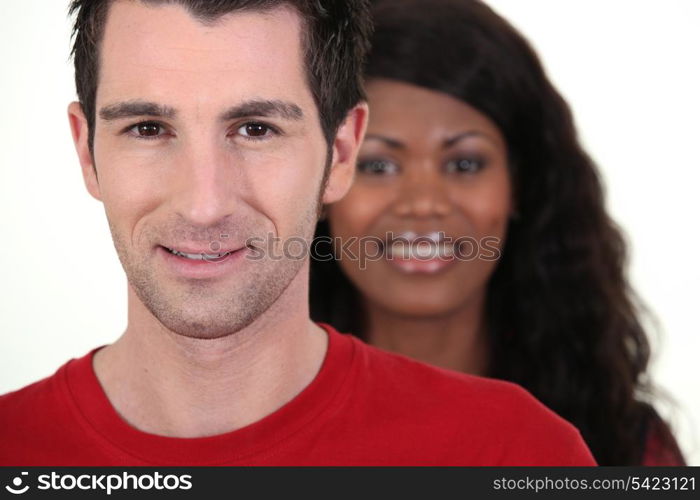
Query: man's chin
x=204, y=328
x=201, y=309
x=189, y=320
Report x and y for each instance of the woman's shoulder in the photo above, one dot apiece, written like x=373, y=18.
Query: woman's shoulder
x=660, y=446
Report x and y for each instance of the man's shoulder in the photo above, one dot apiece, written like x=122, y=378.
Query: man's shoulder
x=501, y=418
x=42, y=424
x=34, y=408
x=405, y=375
x=38, y=421
x=24, y=400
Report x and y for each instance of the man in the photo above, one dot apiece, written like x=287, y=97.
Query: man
x=205, y=127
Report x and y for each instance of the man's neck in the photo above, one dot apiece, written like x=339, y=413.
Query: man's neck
x=167, y=384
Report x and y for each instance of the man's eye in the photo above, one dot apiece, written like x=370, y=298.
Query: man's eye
x=147, y=130
x=464, y=166
x=255, y=130
x=377, y=167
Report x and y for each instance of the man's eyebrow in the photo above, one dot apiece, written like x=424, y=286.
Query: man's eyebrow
x=129, y=109
x=264, y=108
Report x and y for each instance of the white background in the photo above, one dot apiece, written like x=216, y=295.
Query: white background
x=628, y=68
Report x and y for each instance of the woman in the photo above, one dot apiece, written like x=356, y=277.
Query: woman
x=487, y=248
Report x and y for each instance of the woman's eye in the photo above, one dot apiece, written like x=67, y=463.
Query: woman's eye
x=377, y=167
x=147, y=130
x=464, y=166
x=254, y=130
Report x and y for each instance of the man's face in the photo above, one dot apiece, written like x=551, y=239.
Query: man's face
x=206, y=136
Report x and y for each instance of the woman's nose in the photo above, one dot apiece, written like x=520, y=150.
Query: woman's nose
x=423, y=193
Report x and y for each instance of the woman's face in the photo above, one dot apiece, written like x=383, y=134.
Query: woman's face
x=432, y=170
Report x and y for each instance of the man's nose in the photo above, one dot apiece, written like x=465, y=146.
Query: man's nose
x=207, y=183
x=423, y=193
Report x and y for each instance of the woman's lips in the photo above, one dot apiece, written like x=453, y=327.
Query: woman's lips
x=421, y=250
x=425, y=256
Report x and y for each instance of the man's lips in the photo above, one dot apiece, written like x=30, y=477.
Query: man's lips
x=206, y=265
x=212, y=253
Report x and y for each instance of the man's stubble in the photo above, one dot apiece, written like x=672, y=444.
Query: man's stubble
x=205, y=309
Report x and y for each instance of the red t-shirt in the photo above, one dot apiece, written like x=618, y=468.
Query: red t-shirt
x=660, y=447
x=365, y=407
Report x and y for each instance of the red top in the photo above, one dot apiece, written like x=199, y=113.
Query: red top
x=365, y=407
x=660, y=447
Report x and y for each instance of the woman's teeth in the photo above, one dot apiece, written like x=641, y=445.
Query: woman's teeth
x=422, y=250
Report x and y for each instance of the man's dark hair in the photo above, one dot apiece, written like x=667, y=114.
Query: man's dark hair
x=334, y=41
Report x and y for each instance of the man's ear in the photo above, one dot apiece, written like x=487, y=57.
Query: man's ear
x=345, y=149
x=79, y=129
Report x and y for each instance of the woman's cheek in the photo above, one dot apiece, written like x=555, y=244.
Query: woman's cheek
x=355, y=214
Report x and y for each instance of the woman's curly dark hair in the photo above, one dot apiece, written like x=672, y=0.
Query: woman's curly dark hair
x=562, y=319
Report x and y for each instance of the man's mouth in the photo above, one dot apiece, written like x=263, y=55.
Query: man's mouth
x=200, y=255
x=202, y=262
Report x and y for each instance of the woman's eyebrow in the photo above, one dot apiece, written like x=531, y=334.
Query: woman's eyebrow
x=392, y=143
x=448, y=143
